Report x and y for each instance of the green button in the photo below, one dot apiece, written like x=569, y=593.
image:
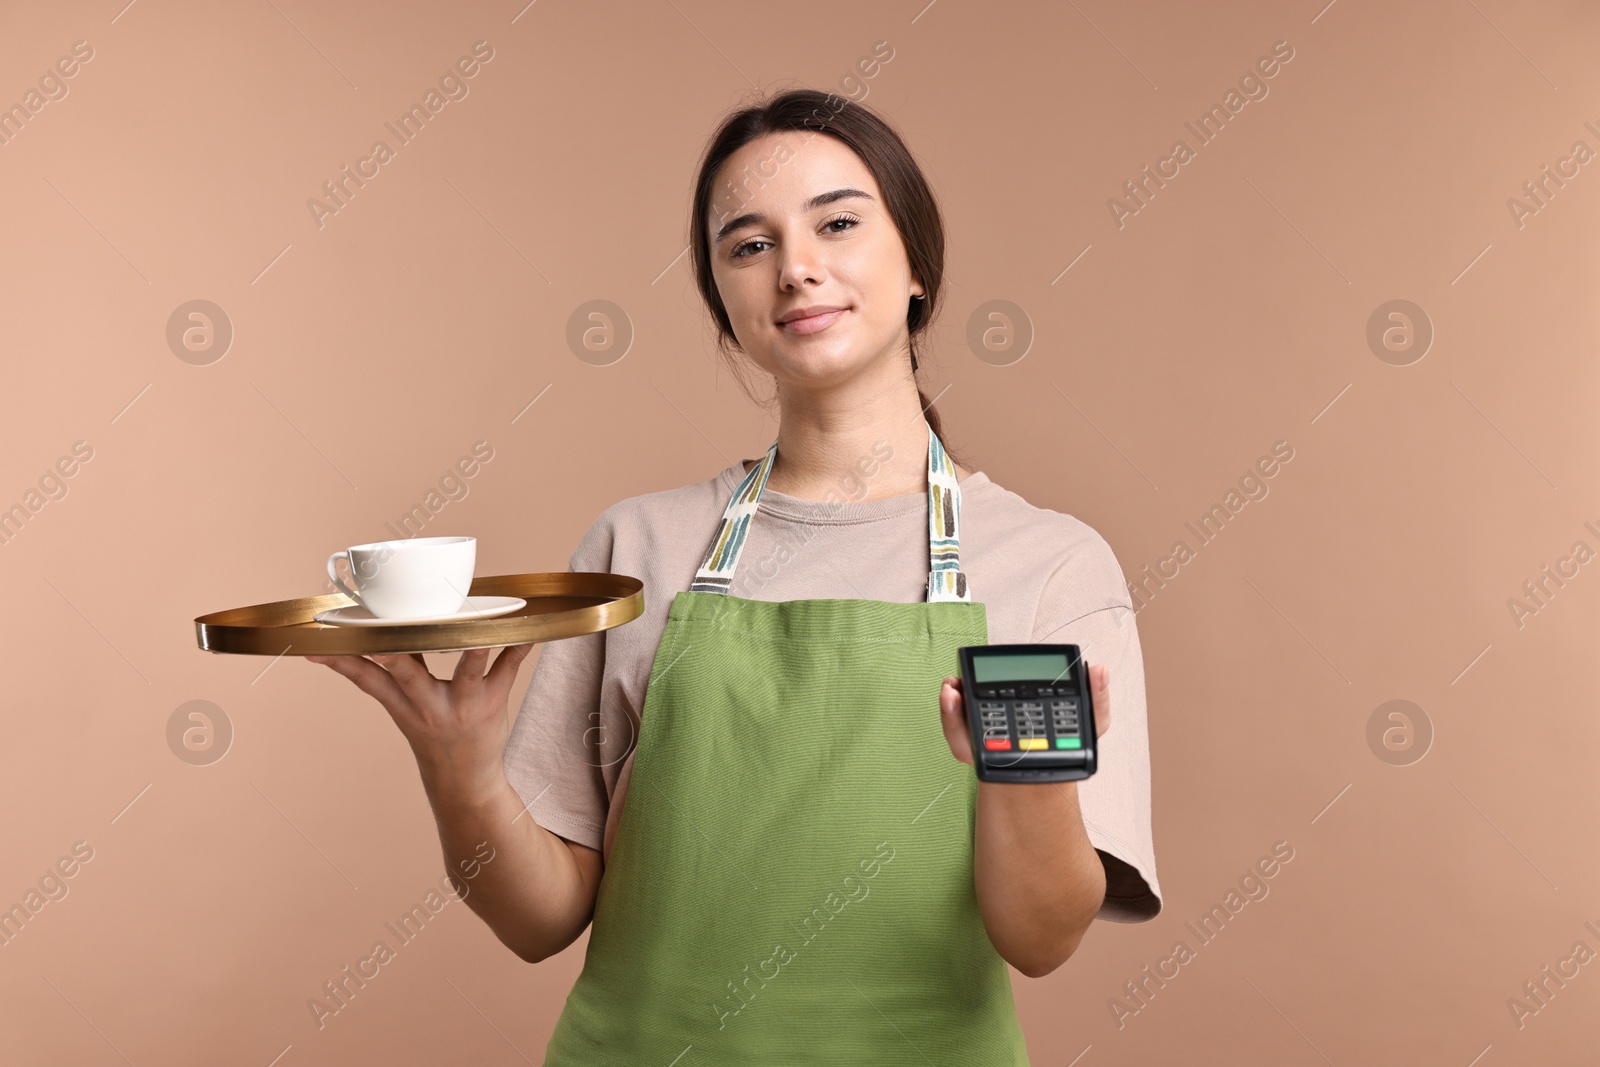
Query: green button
x=1069, y=742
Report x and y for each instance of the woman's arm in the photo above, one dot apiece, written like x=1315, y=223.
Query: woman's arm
x=535, y=890
x=1039, y=880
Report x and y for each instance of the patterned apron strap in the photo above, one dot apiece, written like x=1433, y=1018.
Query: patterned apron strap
x=716, y=570
x=946, y=581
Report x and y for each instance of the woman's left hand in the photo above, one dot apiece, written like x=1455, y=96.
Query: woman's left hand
x=952, y=710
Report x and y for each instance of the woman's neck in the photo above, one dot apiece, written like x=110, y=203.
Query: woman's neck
x=867, y=448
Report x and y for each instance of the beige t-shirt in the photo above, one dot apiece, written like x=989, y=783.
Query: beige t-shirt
x=1043, y=577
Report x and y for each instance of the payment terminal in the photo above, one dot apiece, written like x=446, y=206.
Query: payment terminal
x=1030, y=712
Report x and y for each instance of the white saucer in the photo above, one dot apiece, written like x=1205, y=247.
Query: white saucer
x=476, y=607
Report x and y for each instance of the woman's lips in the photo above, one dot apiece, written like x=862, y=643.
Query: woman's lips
x=813, y=323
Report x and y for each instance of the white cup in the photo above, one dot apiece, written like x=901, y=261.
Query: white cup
x=417, y=577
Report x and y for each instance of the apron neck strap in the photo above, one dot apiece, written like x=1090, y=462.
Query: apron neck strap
x=946, y=581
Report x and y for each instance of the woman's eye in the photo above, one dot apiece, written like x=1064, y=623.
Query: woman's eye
x=748, y=247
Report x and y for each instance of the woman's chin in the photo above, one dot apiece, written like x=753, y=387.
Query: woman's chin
x=816, y=370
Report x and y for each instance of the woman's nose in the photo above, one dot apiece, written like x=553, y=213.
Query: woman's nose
x=799, y=264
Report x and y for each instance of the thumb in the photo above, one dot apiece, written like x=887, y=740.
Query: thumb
x=1100, y=684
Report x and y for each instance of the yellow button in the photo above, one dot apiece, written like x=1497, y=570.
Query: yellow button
x=1031, y=742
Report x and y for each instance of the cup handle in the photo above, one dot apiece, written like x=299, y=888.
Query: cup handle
x=333, y=573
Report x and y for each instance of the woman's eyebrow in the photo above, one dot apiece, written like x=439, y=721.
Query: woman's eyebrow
x=755, y=218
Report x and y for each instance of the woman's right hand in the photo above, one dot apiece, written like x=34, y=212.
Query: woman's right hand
x=457, y=728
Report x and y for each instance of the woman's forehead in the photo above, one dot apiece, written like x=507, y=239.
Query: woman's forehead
x=776, y=175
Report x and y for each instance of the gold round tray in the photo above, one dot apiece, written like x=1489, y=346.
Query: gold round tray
x=562, y=604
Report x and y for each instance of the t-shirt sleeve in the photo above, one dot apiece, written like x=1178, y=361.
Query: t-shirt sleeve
x=549, y=758
x=1085, y=602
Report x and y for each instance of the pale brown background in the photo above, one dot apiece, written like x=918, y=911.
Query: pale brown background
x=1227, y=315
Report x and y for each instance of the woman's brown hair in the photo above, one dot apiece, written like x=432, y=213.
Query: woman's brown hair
x=906, y=196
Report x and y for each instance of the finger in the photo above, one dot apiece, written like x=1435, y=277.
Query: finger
x=469, y=668
x=409, y=672
x=506, y=665
x=951, y=699
x=1102, y=698
x=368, y=677
x=953, y=718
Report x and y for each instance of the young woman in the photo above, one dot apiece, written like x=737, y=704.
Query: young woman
x=771, y=765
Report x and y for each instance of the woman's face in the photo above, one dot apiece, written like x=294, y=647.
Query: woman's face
x=776, y=251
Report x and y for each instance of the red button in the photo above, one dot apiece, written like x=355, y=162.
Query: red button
x=997, y=743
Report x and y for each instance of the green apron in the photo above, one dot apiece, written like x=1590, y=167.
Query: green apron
x=792, y=878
